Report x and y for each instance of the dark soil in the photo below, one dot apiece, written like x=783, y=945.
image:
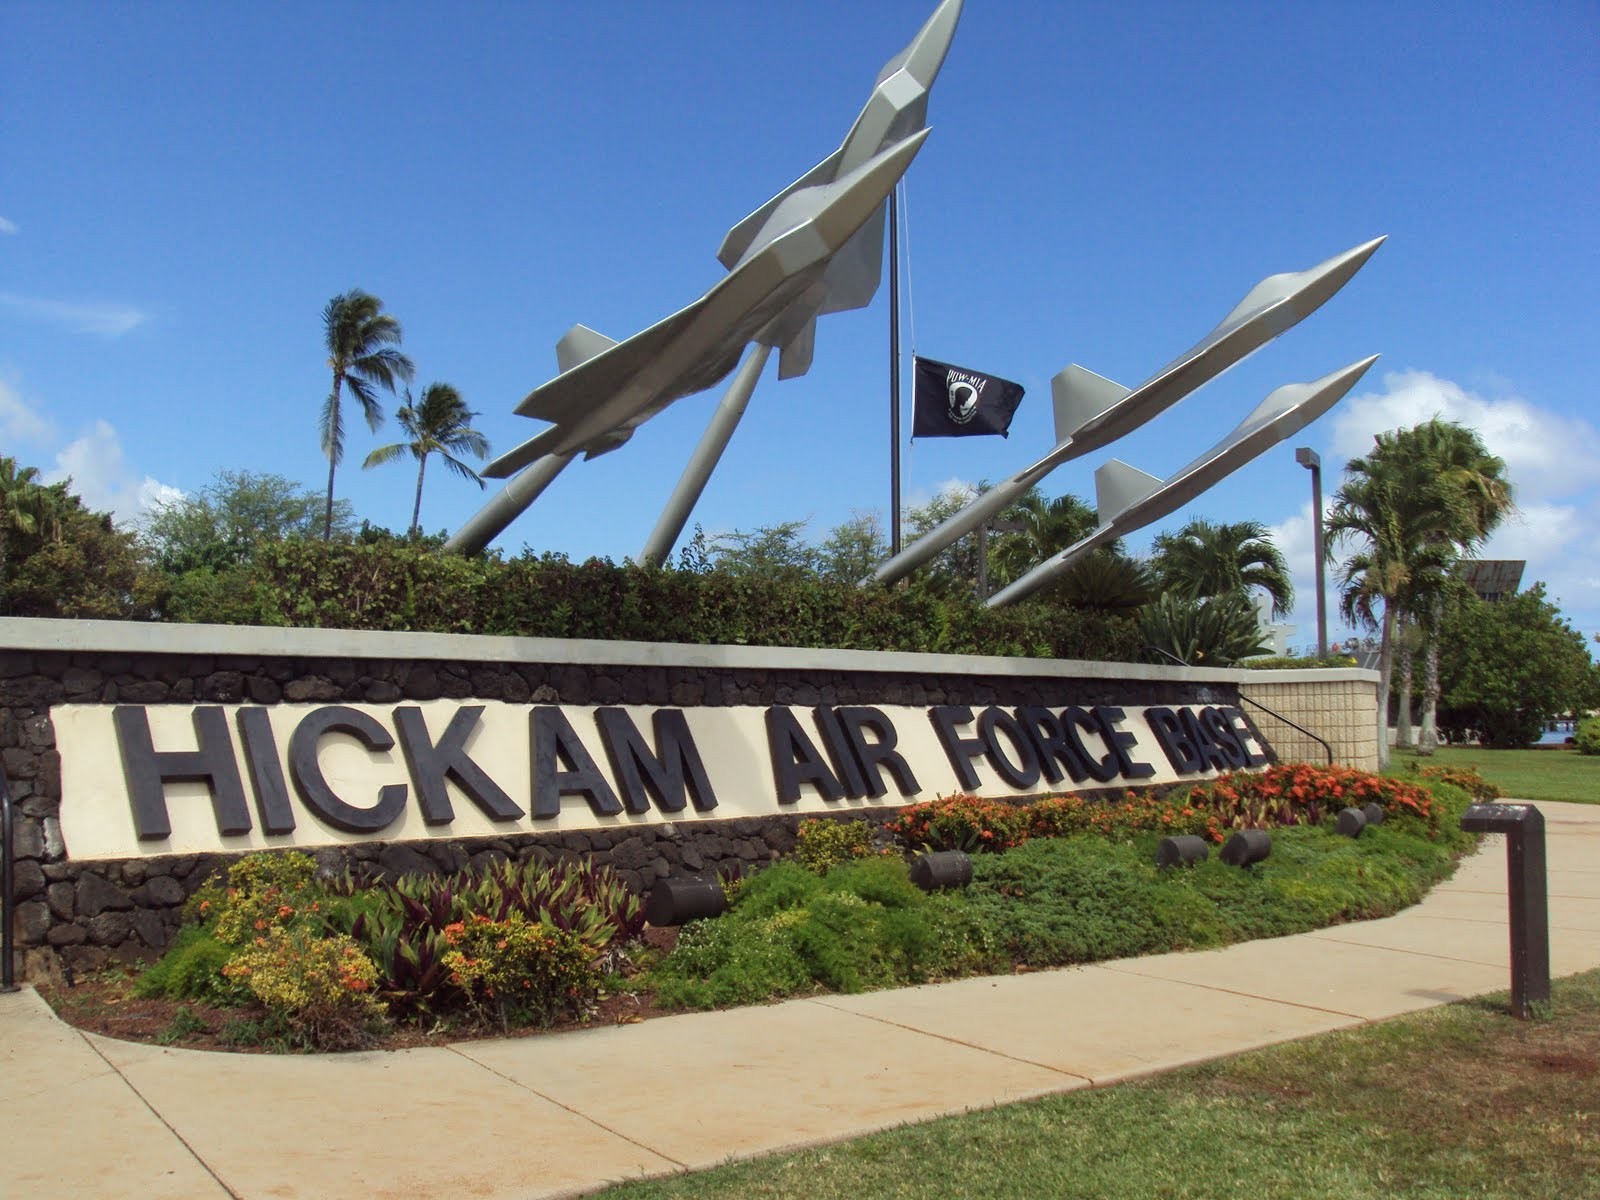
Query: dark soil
x=104, y=1003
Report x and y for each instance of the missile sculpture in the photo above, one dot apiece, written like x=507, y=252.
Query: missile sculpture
x=607, y=389
x=1128, y=499
x=897, y=107
x=1091, y=411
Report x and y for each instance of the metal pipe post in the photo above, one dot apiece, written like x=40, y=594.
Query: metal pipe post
x=669, y=526
x=513, y=500
x=1308, y=457
x=894, y=372
x=1523, y=825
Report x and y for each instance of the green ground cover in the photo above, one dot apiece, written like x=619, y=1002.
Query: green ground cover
x=1559, y=774
x=1460, y=1101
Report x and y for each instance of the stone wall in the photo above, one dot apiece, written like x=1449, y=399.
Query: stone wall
x=78, y=913
x=1340, y=706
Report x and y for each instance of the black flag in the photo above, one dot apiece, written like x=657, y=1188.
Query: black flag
x=955, y=402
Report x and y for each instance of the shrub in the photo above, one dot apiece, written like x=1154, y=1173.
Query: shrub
x=519, y=970
x=1466, y=778
x=821, y=845
x=866, y=925
x=961, y=822
x=320, y=986
x=385, y=585
x=1588, y=735
x=264, y=892
x=1069, y=900
x=191, y=969
x=402, y=924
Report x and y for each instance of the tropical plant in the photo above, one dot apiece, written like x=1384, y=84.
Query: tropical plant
x=1047, y=527
x=441, y=424
x=24, y=507
x=1462, y=463
x=1413, y=505
x=361, y=340
x=1209, y=559
x=1210, y=631
x=1106, y=580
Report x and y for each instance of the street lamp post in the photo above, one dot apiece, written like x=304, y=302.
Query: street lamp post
x=1307, y=457
x=996, y=526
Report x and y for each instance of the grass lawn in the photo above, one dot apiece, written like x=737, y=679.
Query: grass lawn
x=1461, y=1101
x=1524, y=774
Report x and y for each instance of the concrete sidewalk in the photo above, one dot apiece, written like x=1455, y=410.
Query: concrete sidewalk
x=551, y=1116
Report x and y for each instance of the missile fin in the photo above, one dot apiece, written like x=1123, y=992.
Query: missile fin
x=578, y=345
x=1080, y=396
x=1117, y=485
x=795, y=357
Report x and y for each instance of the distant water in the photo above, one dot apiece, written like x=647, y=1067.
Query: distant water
x=1554, y=737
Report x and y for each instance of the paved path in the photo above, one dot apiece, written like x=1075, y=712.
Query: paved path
x=553, y=1116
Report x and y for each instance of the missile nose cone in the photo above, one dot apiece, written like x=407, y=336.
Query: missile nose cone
x=926, y=54
x=1344, y=266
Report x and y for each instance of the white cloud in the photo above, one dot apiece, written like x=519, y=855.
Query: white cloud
x=19, y=422
x=106, y=320
x=101, y=476
x=1552, y=460
x=1547, y=454
x=7, y=226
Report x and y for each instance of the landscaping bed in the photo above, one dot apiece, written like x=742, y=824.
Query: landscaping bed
x=274, y=958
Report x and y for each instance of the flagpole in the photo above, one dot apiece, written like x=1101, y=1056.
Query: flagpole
x=894, y=371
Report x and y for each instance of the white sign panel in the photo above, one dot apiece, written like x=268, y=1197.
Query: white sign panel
x=174, y=779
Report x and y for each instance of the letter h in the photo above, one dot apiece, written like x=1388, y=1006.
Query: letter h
x=148, y=771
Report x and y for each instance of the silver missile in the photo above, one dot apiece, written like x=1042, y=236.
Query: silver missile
x=1134, y=499
x=1091, y=411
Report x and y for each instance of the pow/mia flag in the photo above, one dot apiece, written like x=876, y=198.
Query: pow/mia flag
x=955, y=402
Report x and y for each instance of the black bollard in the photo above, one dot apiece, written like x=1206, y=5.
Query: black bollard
x=679, y=901
x=1246, y=847
x=1351, y=822
x=1182, y=851
x=1523, y=825
x=942, y=869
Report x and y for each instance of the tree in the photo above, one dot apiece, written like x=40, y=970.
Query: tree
x=955, y=568
x=67, y=561
x=1048, y=527
x=1209, y=559
x=1461, y=463
x=26, y=509
x=442, y=425
x=1373, y=507
x=766, y=549
x=1512, y=666
x=219, y=526
x=1411, y=516
x=853, y=549
x=361, y=341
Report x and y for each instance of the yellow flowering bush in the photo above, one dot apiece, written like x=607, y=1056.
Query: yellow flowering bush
x=520, y=970
x=321, y=987
x=263, y=893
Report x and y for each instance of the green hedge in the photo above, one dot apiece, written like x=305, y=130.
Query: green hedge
x=390, y=587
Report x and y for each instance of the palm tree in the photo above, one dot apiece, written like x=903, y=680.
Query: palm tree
x=441, y=424
x=1209, y=559
x=1412, y=514
x=26, y=508
x=361, y=341
x=1048, y=526
x=1459, y=461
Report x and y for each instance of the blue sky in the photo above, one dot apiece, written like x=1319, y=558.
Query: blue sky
x=183, y=186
